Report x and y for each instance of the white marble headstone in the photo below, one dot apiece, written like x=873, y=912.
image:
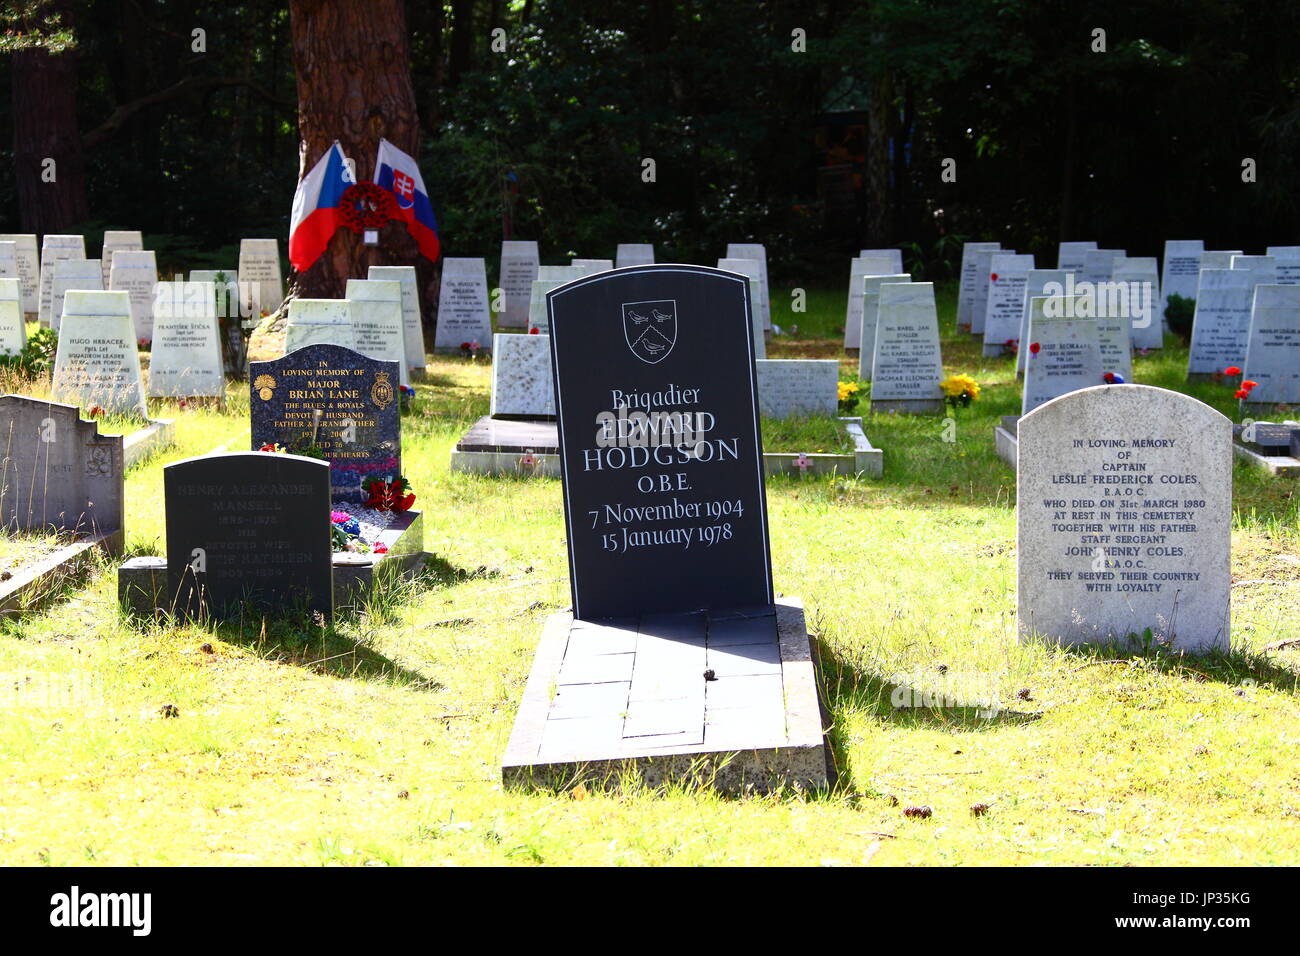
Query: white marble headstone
x=538, y=316
x=1064, y=351
x=970, y=279
x=1273, y=347
x=1039, y=282
x=870, y=316
x=377, y=326
x=1287, y=261
x=1218, y=258
x=8, y=260
x=1179, y=271
x=751, y=269
x=56, y=248
x=29, y=269
x=226, y=291
x=521, y=376
x=1008, y=274
x=906, y=366
x=463, y=312
x=127, y=240
x=412, y=323
x=634, y=254
x=136, y=273
x=1221, y=323
x=83, y=274
x=1263, y=268
x=589, y=267
x=259, y=271
x=13, y=325
x=895, y=257
x=1069, y=255
x=319, y=322
x=186, y=356
x=859, y=269
x=97, y=363
x=1098, y=265
x=556, y=274
x=756, y=250
x=790, y=387
x=980, y=295
x=1138, y=277
x=1124, y=519
x=518, y=271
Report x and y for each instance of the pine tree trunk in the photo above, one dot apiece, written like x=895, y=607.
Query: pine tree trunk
x=51, y=196
x=352, y=62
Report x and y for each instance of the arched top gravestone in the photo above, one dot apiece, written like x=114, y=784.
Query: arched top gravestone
x=1124, y=518
x=657, y=407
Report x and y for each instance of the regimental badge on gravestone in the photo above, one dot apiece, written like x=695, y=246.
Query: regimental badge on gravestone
x=659, y=441
x=249, y=527
x=1124, y=519
x=329, y=402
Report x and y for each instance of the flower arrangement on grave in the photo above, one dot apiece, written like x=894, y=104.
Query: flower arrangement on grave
x=406, y=395
x=388, y=494
x=849, y=397
x=959, y=391
x=143, y=344
x=345, y=535
x=470, y=349
x=1010, y=346
x=275, y=448
x=1113, y=378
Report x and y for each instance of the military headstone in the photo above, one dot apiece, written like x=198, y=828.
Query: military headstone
x=518, y=270
x=186, y=357
x=1136, y=280
x=1263, y=268
x=319, y=322
x=521, y=376
x=1064, y=351
x=983, y=280
x=412, y=324
x=634, y=254
x=789, y=387
x=667, y=514
x=259, y=273
x=463, y=312
x=752, y=270
x=859, y=270
x=970, y=279
x=537, y=317
x=870, y=316
x=8, y=260
x=906, y=367
x=29, y=269
x=1273, y=346
x=1287, y=261
x=1070, y=255
x=756, y=250
x=56, y=248
x=377, y=322
x=1181, y=267
x=97, y=363
x=557, y=274
x=337, y=401
x=1221, y=324
x=225, y=289
x=589, y=267
x=1008, y=275
x=136, y=273
x=1039, y=282
x=1124, y=519
x=1218, y=258
x=83, y=274
x=56, y=470
x=1098, y=264
x=895, y=257
x=249, y=528
x=127, y=240
x=13, y=325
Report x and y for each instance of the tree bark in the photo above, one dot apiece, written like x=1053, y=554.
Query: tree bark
x=45, y=128
x=352, y=62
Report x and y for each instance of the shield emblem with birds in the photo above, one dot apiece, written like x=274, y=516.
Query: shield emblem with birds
x=650, y=328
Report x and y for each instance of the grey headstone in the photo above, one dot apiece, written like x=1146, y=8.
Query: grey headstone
x=756, y=250
x=83, y=274
x=634, y=254
x=463, y=312
x=789, y=387
x=1139, y=277
x=411, y=320
x=866, y=336
x=1182, y=265
x=519, y=265
x=1039, y=282
x=1287, y=261
x=521, y=376
x=859, y=269
x=136, y=273
x=55, y=248
x=319, y=322
x=1069, y=255
x=1008, y=276
x=377, y=322
x=97, y=362
x=1273, y=346
x=129, y=240
x=970, y=279
x=186, y=356
x=29, y=269
x=259, y=271
x=907, y=367
x=1068, y=354
x=980, y=291
x=13, y=325
x=1221, y=324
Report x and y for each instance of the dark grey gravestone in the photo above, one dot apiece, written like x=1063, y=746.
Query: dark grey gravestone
x=249, y=527
x=358, y=430
x=657, y=410
x=57, y=471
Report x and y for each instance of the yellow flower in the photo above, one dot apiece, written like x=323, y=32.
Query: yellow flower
x=955, y=385
x=847, y=390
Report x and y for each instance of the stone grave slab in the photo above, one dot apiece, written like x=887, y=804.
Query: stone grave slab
x=83, y=274
x=412, y=323
x=519, y=263
x=1124, y=519
x=752, y=270
x=1221, y=323
x=895, y=257
x=377, y=322
x=463, y=313
x=9, y=261
x=136, y=273
x=1263, y=268
x=758, y=252
x=338, y=400
x=907, y=367
x=1218, y=258
x=537, y=317
x=983, y=280
x=29, y=269
x=1136, y=281
x=1286, y=260
x=186, y=357
x=1273, y=348
x=1064, y=351
x=634, y=254
x=970, y=278
x=1039, y=282
x=97, y=363
x=790, y=387
x=589, y=267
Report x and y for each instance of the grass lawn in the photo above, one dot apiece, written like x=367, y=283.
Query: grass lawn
x=378, y=741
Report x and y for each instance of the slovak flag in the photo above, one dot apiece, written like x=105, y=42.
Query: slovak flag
x=397, y=172
x=316, y=208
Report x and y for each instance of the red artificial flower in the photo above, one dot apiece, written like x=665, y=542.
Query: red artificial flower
x=1232, y=370
x=1033, y=348
x=993, y=277
x=1109, y=378
x=1243, y=393
x=534, y=331
x=1248, y=384
x=379, y=549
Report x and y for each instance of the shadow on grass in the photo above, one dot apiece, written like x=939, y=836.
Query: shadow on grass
x=1233, y=668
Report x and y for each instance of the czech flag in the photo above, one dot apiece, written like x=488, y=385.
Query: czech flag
x=316, y=208
x=397, y=172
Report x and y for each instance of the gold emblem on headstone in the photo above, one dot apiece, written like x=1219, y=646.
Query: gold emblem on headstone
x=265, y=385
x=381, y=393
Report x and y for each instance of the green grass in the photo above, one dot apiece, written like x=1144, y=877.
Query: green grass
x=378, y=741
x=810, y=434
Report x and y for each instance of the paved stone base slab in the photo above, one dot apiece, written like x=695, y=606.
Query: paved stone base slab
x=142, y=582
x=28, y=587
x=726, y=699
x=1284, y=466
x=496, y=446
x=140, y=444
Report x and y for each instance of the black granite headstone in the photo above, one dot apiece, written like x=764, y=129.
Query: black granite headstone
x=249, y=527
x=657, y=408
x=358, y=429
